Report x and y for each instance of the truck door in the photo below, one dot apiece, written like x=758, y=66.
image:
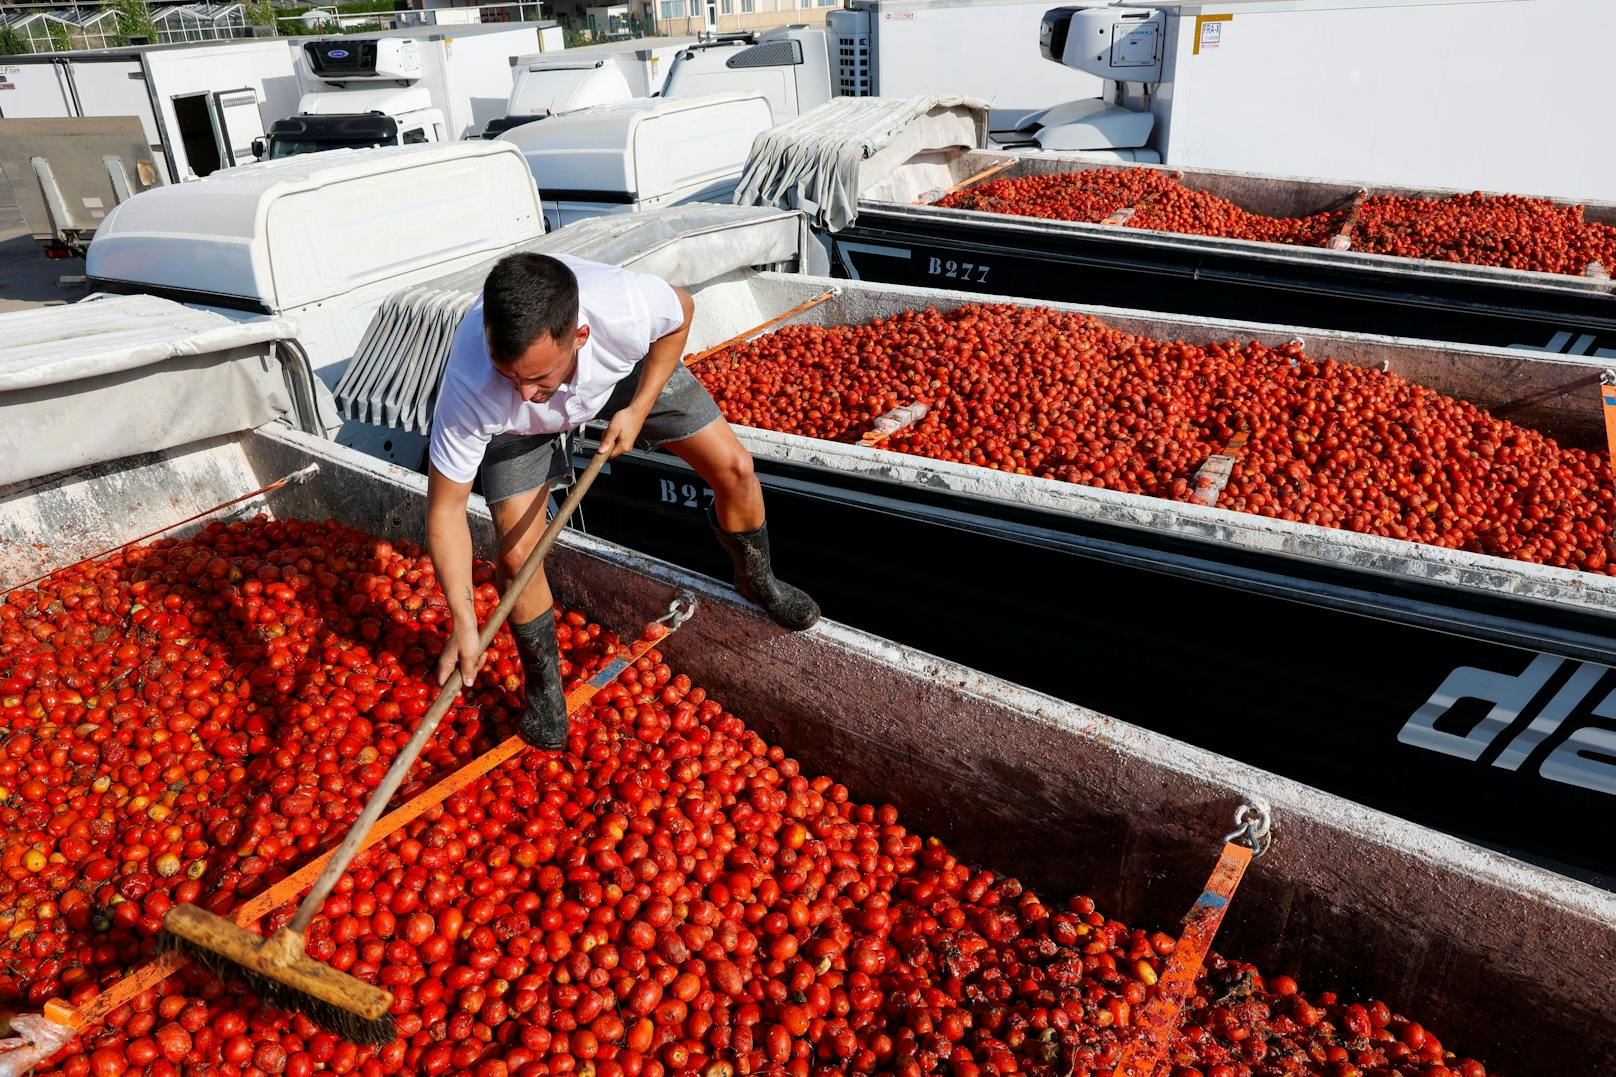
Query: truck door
x=217, y=129
x=239, y=123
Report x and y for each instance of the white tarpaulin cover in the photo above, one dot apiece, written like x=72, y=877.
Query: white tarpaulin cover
x=113, y=376
x=823, y=160
x=393, y=377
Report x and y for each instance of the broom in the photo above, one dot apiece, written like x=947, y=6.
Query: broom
x=277, y=969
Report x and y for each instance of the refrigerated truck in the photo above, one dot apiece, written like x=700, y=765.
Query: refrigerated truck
x=413, y=87
x=201, y=105
x=1494, y=95
x=1411, y=93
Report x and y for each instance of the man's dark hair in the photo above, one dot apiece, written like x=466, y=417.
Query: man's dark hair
x=528, y=297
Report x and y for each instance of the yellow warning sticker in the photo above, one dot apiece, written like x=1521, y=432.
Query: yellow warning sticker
x=1208, y=32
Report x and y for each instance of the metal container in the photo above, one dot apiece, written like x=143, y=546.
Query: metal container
x=897, y=241
x=1463, y=691
x=1505, y=962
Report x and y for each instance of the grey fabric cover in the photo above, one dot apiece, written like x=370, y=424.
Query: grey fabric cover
x=822, y=161
x=111, y=377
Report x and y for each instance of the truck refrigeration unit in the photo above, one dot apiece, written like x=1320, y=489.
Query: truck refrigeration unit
x=1392, y=92
x=387, y=90
x=885, y=48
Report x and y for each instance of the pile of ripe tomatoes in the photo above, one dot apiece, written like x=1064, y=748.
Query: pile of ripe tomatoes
x=188, y=721
x=1509, y=231
x=1064, y=396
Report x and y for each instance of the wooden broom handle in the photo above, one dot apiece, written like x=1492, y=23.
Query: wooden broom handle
x=429, y=722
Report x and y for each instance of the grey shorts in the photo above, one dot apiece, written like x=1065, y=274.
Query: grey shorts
x=516, y=464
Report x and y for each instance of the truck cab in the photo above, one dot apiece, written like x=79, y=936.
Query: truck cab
x=549, y=86
x=368, y=97
x=788, y=65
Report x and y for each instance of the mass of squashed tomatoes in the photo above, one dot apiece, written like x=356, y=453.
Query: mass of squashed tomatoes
x=187, y=721
x=1509, y=231
x=1064, y=396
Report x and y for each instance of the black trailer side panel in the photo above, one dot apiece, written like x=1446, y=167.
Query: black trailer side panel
x=1464, y=715
x=1068, y=265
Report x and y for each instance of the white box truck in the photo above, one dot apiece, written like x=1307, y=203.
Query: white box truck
x=1412, y=93
x=201, y=105
x=387, y=89
x=1415, y=93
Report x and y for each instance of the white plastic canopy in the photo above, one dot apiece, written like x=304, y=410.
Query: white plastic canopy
x=110, y=377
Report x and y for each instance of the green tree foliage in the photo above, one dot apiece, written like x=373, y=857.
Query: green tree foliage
x=12, y=43
x=134, y=20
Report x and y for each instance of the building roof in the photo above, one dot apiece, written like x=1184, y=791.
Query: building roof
x=85, y=16
x=19, y=19
x=180, y=13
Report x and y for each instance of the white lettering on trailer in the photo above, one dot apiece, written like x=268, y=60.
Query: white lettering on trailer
x=1586, y=758
x=685, y=493
x=868, y=248
x=956, y=270
x=1562, y=343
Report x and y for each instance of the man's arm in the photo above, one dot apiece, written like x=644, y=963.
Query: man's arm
x=448, y=536
x=661, y=360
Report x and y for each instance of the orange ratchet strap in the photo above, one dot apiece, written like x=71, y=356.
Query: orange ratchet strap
x=148, y=974
x=1157, y=1020
x=809, y=304
x=1607, y=393
x=897, y=419
x=1342, y=240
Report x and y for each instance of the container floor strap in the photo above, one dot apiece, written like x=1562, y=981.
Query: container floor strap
x=300, y=475
x=991, y=170
x=1342, y=240
x=897, y=419
x=808, y=304
x=1607, y=394
x=1158, y=1019
x=1212, y=476
x=148, y=974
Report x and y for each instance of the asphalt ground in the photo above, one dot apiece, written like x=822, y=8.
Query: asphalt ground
x=27, y=278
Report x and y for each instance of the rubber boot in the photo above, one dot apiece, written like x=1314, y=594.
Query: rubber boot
x=787, y=606
x=544, y=720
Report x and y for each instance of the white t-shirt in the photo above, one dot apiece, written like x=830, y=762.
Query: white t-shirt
x=625, y=311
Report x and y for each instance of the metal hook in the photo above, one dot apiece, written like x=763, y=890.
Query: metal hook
x=680, y=610
x=1254, y=825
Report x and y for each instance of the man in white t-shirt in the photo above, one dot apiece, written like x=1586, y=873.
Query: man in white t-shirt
x=553, y=343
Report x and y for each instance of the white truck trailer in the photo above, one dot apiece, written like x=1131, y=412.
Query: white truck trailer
x=384, y=89
x=1415, y=93
x=201, y=105
x=1505, y=961
x=1409, y=93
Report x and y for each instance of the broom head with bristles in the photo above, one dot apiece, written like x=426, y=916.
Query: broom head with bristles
x=278, y=971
